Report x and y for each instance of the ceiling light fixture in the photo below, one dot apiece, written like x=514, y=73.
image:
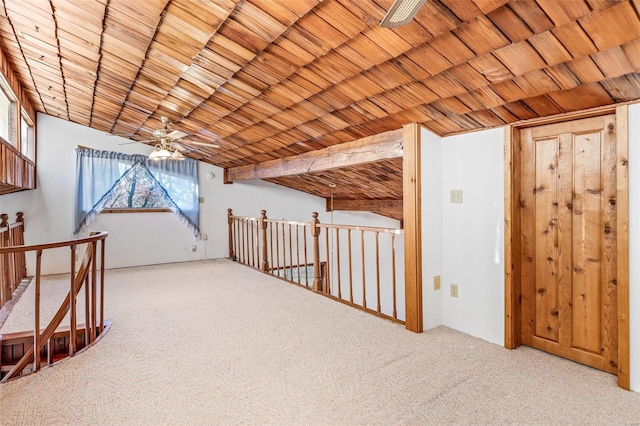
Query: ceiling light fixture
x=401, y=12
x=166, y=149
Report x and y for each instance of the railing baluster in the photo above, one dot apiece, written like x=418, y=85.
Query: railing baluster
x=36, y=330
x=290, y=254
x=87, y=305
x=284, y=254
x=298, y=254
x=338, y=263
x=236, y=254
x=393, y=273
x=72, y=302
x=94, y=270
x=306, y=263
x=245, y=241
x=102, y=251
x=378, y=270
x=270, y=247
x=364, y=283
x=327, y=288
x=350, y=267
x=278, y=250
x=250, y=234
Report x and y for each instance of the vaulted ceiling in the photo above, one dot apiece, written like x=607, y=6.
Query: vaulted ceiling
x=267, y=79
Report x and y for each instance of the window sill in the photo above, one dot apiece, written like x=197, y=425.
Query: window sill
x=153, y=210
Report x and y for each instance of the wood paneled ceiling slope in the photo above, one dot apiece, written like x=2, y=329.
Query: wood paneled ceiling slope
x=267, y=79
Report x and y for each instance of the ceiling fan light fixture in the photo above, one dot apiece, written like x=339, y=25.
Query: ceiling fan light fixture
x=401, y=13
x=160, y=153
x=177, y=156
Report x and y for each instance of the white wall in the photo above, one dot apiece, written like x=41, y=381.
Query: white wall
x=463, y=243
x=133, y=237
x=431, y=203
x=634, y=244
x=473, y=234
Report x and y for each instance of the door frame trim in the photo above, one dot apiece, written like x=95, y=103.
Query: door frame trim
x=512, y=285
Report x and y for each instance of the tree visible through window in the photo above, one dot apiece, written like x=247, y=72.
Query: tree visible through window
x=137, y=189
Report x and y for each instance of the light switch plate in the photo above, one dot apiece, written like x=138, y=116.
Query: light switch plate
x=456, y=196
x=436, y=282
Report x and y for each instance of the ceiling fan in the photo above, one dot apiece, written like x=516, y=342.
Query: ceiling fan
x=401, y=12
x=169, y=143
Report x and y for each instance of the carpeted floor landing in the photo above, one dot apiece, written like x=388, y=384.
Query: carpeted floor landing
x=218, y=343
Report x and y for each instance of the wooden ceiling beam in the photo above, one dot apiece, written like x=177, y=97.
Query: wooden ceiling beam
x=388, y=208
x=366, y=150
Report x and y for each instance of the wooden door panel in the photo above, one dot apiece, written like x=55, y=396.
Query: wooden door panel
x=564, y=227
x=527, y=266
x=546, y=289
x=586, y=242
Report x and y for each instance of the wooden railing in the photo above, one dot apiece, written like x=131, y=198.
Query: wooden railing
x=17, y=172
x=87, y=276
x=356, y=265
x=12, y=265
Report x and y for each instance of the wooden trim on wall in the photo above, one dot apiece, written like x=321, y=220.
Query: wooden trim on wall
x=622, y=243
x=511, y=283
x=411, y=189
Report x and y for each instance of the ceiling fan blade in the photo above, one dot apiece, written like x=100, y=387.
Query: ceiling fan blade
x=210, y=145
x=182, y=148
x=177, y=134
x=129, y=143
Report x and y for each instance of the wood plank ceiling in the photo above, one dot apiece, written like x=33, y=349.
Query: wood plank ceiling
x=267, y=79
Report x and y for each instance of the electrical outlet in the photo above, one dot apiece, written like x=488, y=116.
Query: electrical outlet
x=456, y=196
x=203, y=237
x=436, y=282
x=201, y=200
x=194, y=248
x=454, y=290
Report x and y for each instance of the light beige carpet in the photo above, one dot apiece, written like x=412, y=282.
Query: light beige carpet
x=218, y=343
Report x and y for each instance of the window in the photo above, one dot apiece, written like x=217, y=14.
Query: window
x=27, y=139
x=5, y=116
x=137, y=189
x=120, y=182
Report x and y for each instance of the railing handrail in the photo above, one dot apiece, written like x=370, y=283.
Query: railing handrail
x=396, y=231
x=287, y=222
x=67, y=243
x=16, y=225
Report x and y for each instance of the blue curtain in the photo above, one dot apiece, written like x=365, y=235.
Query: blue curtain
x=98, y=174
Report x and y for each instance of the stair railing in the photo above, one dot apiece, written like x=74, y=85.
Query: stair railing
x=356, y=265
x=86, y=275
x=13, y=267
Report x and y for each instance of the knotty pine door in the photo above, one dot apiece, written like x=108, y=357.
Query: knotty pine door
x=568, y=240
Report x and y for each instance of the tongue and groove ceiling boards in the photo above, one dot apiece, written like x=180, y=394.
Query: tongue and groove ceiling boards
x=268, y=79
